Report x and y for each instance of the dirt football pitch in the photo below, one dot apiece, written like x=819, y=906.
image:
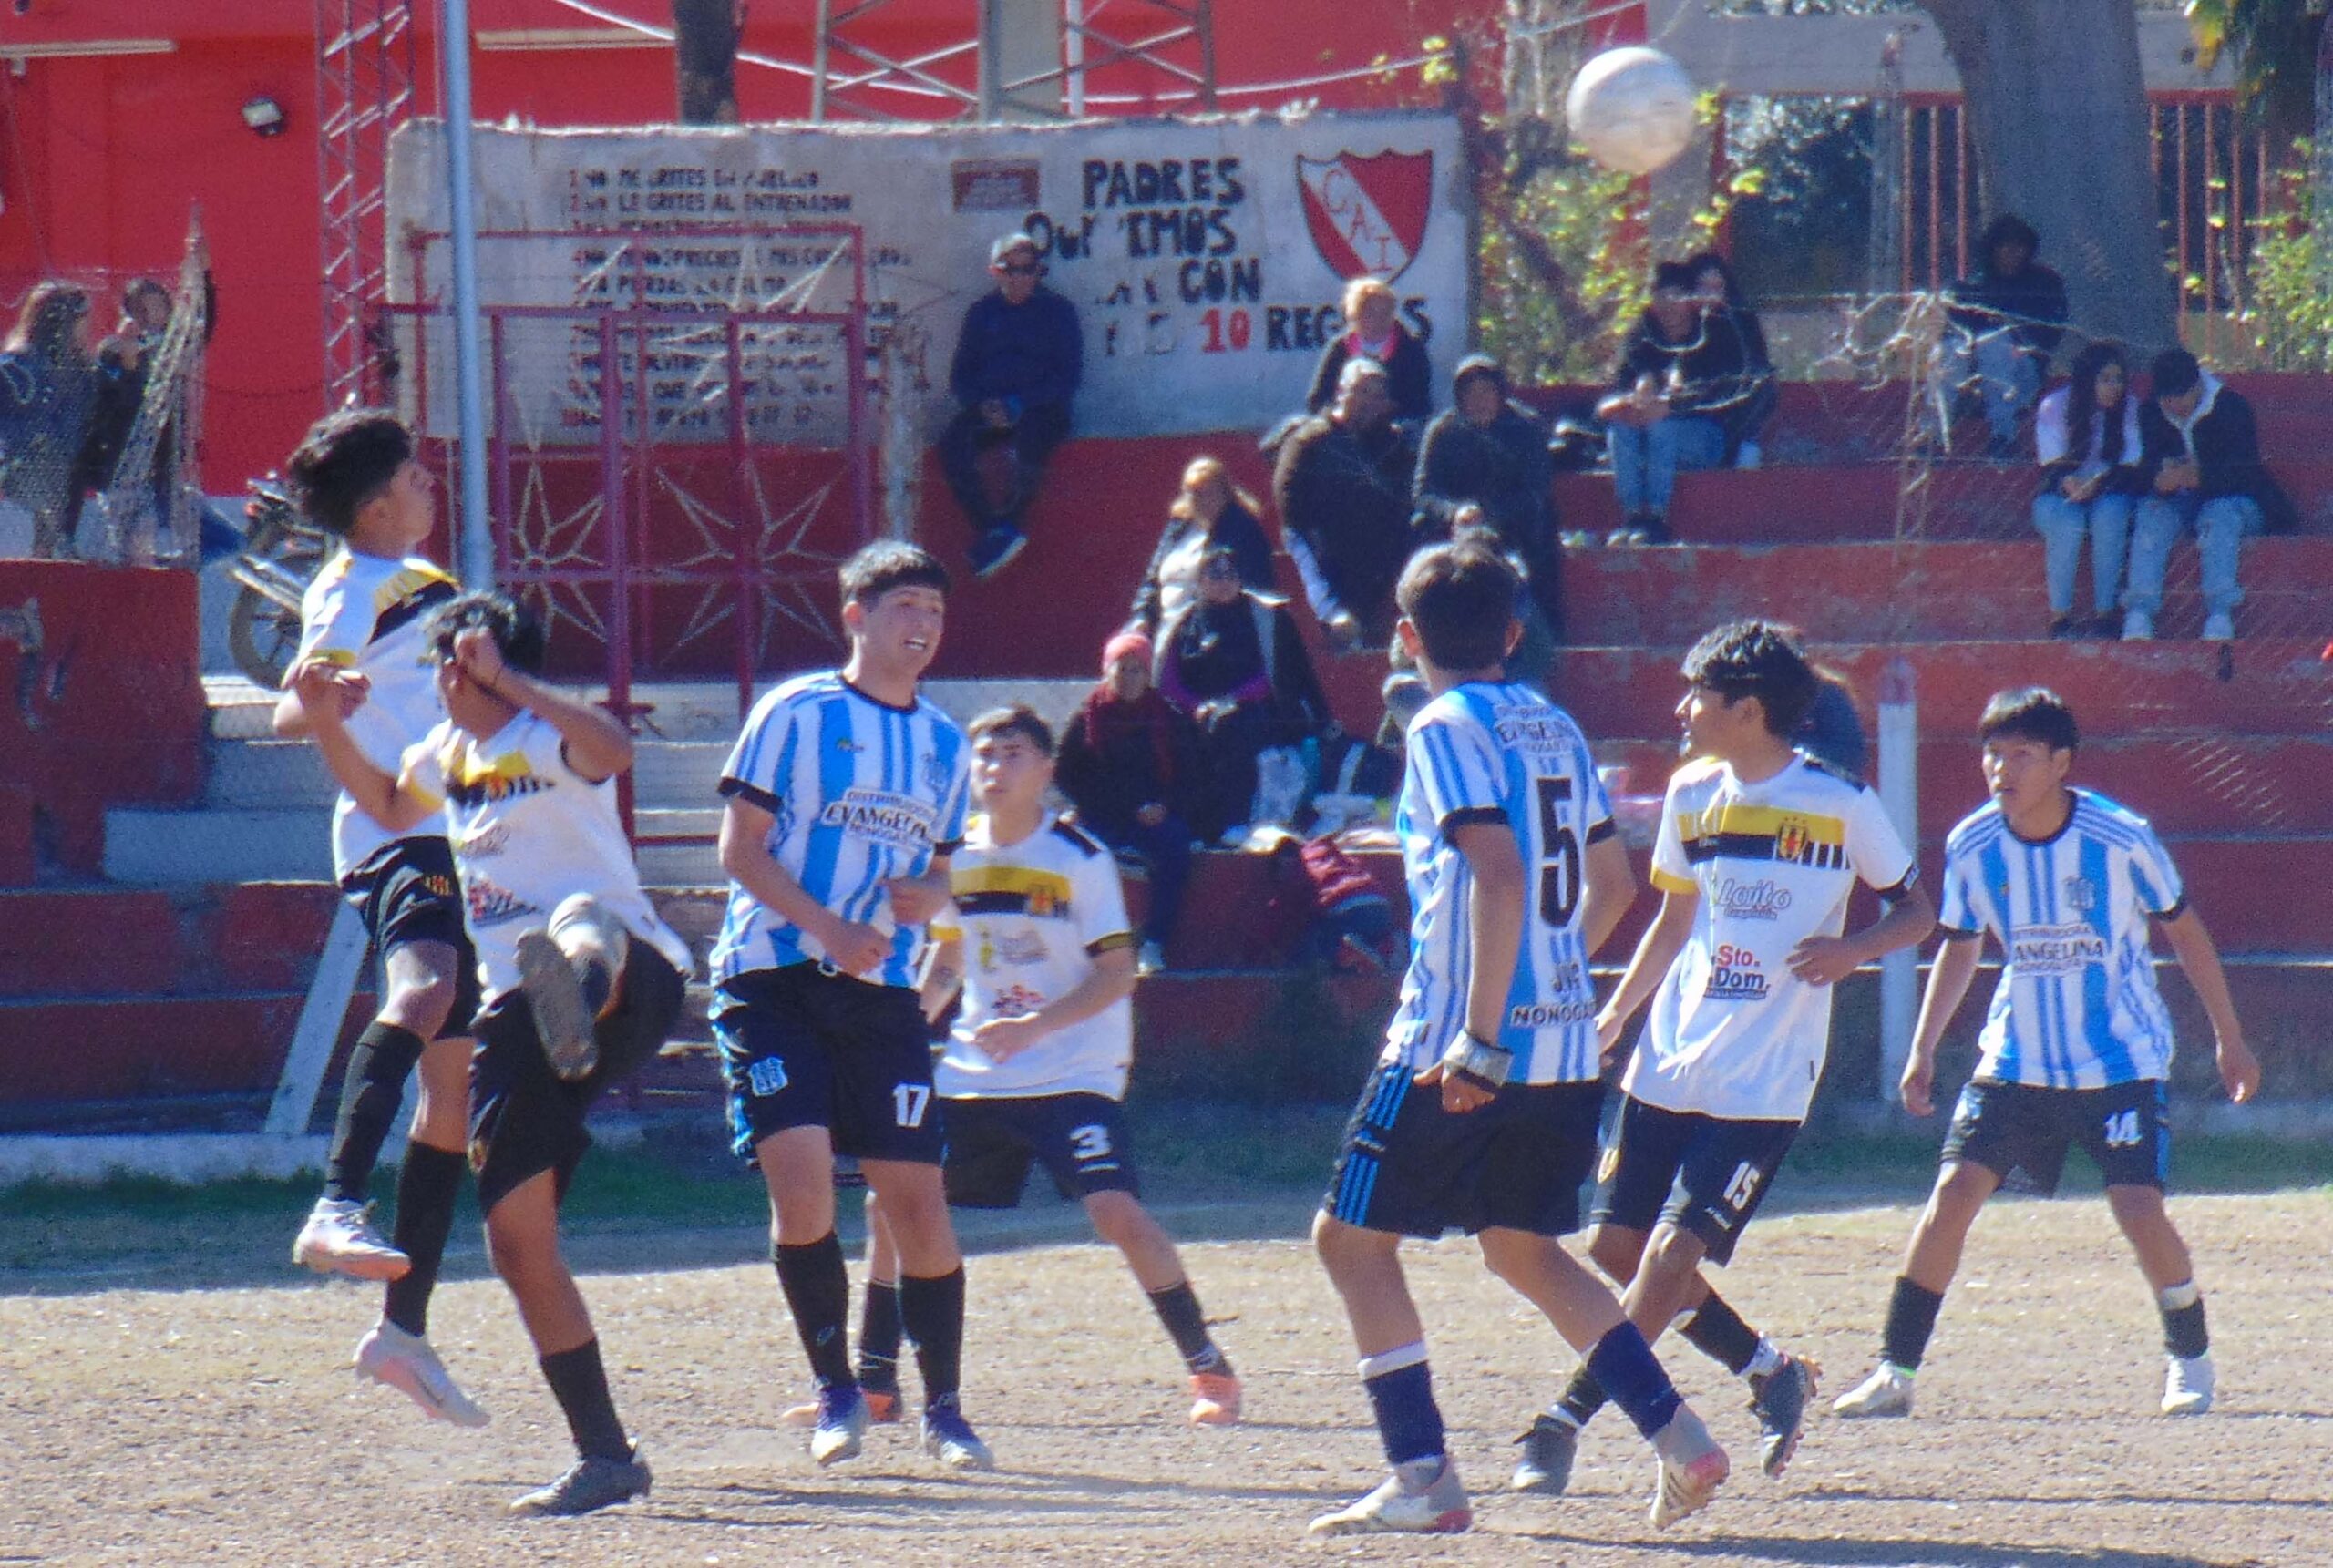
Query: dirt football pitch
x=218, y=1425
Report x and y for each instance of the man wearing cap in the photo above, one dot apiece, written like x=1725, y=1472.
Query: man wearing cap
x=1484, y=464
x=1017, y=364
x=1343, y=489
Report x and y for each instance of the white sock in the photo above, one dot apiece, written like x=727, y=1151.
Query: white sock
x=1765, y=1360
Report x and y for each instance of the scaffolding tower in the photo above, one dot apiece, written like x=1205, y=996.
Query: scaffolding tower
x=1021, y=59
x=364, y=87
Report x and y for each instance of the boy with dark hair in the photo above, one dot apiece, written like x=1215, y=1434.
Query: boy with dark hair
x=2076, y=1048
x=356, y=477
x=846, y=799
x=1035, y=1069
x=1678, y=372
x=2199, y=450
x=1482, y=1113
x=1759, y=847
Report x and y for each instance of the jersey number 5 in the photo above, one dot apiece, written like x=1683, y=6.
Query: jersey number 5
x=1559, y=867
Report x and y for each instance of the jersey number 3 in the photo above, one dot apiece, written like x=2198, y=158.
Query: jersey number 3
x=1559, y=849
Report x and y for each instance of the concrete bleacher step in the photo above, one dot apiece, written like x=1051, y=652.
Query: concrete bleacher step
x=1927, y=591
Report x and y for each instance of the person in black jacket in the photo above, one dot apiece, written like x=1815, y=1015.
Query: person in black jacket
x=1745, y=418
x=1209, y=512
x=1373, y=331
x=1018, y=360
x=2003, y=323
x=1342, y=490
x=2202, y=455
x=2086, y=434
x=1484, y=464
x=1679, y=373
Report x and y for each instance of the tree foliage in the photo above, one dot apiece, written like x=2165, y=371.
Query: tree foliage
x=2274, y=42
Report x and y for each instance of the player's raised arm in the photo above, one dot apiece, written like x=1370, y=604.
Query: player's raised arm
x=2199, y=960
x=322, y=690
x=594, y=743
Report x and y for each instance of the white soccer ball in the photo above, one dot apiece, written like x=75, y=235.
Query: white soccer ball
x=1631, y=109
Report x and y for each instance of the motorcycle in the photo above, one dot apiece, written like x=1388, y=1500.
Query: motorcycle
x=282, y=554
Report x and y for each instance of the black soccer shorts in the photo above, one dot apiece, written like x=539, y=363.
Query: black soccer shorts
x=802, y=1048
x=1080, y=1139
x=524, y=1117
x=1706, y=1175
x=1410, y=1168
x=2021, y=1131
x=408, y=892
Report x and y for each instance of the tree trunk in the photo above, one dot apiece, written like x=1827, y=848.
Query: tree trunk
x=2058, y=112
x=704, y=52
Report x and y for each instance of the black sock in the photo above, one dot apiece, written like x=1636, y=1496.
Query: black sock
x=933, y=1313
x=1178, y=1306
x=2184, y=1333
x=580, y=1383
x=1716, y=1331
x=816, y=1283
x=377, y=1067
x=1583, y=1397
x=1911, y=1318
x=879, y=1340
x=427, y=1185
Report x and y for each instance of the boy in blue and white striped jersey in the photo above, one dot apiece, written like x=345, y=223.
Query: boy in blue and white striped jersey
x=2076, y=1047
x=846, y=796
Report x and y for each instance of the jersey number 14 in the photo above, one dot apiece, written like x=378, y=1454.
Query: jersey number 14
x=1559, y=852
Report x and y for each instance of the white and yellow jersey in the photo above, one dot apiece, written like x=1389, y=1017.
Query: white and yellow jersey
x=365, y=613
x=1733, y=1033
x=528, y=831
x=1033, y=918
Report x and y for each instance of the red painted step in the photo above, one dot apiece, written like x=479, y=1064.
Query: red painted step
x=1919, y=592
x=116, y=941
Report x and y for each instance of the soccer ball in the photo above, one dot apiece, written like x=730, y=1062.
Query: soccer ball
x=1631, y=109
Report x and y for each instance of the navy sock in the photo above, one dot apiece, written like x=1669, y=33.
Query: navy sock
x=1911, y=1318
x=816, y=1283
x=1718, y=1332
x=1408, y=1420
x=1624, y=1363
x=382, y=1060
x=428, y=1185
x=879, y=1338
x=933, y=1313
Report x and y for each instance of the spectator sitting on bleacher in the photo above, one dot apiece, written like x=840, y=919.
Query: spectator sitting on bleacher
x=1678, y=372
x=1208, y=512
x=1484, y=464
x=1019, y=358
x=1373, y=331
x=2003, y=323
x=2205, y=473
x=2086, y=434
x=1130, y=764
x=1341, y=487
x=1234, y=661
x=49, y=385
x=1745, y=418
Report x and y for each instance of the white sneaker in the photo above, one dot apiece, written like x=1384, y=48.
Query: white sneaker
x=2187, y=1386
x=2138, y=626
x=339, y=1238
x=1692, y=1467
x=396, y=1359
x=1886, y=1392
x=1150, y=959
x=2220, y=628
x=1406, y=1504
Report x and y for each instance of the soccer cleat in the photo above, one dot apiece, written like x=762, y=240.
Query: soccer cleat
x=396, y=1359
x=562, y=1013
x=1692, y=1467
x=591, y=1483
x=841, y=1427
x=1886, y=1392
x=882, y=1409
x=1779, y=1399
x=1548, y=1449
x=950, y=1439
x=2219, y=628
x=2187, y=1386
x=1215, y=1399
x=994, y=550
x=339, y=1238
x=1404, y=1504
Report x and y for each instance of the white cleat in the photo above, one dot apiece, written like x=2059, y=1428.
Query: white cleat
x=1886, y=1392
x=1692, y=1467
x=1406, y=1504
x=339, y=1238
x=2187, y=1386
x=396, y=1359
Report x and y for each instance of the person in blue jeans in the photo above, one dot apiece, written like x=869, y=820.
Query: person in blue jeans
x=2203, y=459
x=1680, y=367
x=2004, y=323
x=2086, y=434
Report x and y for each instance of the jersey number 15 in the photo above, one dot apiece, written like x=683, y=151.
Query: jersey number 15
x=1559, y=850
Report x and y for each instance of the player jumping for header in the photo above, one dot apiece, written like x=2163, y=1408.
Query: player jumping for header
x=1482, y=1113
x=2076, y=1047
x=1758, y=849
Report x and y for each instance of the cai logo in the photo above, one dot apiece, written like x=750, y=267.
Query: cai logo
x=766, y=1077
x=1735, y=975
x=1743, y=899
